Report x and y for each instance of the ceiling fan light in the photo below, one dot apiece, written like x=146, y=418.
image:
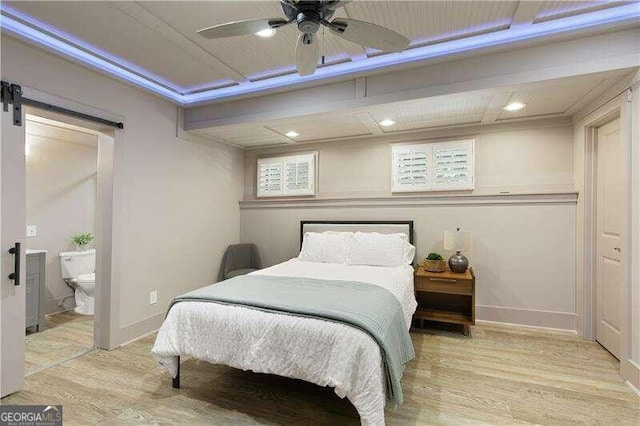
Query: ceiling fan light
x=514, y=106
x=386, y=122
x=266, y=33
x=292, y=134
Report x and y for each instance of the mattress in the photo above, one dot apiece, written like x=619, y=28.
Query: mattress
x=322, y=352
x=399, y=281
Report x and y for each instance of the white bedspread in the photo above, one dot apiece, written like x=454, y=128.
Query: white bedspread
x=322, y=352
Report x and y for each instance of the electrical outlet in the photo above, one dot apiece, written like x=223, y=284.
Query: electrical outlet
x=32, y=230
x=153, y=297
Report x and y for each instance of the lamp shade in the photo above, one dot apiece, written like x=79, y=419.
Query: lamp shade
x=458, y=240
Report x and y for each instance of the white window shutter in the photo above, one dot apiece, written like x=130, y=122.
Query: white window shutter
x=411, y=168
x=288, y=176
x=269, y=179
x=299, y=175
x=453, y=164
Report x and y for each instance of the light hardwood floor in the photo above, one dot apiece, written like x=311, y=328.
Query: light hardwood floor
x=500, y=376
x=66, y=335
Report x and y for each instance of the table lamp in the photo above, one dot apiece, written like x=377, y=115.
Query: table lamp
x=458, y=240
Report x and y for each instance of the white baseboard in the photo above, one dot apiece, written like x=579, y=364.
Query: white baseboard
x=135, y=331
x=533, y=328
x=630, y=371
x=527, y=317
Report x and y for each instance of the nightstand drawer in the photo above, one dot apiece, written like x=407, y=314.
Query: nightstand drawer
x=444, y=285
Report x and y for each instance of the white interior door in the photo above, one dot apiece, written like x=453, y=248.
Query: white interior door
x=610, y=190
x=12, y=230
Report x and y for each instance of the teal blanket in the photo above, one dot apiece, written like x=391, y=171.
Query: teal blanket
x=368, y=307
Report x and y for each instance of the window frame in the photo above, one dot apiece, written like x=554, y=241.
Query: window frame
x=397, y=150
x=432, y=185
x=283, y=160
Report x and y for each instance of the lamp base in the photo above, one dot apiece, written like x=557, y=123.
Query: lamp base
x=458, y=263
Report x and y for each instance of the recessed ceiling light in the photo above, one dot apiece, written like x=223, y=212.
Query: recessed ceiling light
x=269, y=32
x=387, y=122
x=292, y=134
x=514, y=106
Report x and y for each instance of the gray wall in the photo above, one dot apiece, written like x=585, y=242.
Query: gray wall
x=61, y=198
x=524, y=245
x=175, y=205
x=533, y=156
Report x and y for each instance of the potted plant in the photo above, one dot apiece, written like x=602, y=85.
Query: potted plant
x=82, y=240
x=434, y=263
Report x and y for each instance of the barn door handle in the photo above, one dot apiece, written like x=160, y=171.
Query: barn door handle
x=617, y=249
x=15, y=276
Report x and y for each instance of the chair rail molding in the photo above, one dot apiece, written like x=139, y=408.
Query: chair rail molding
x=410, y=201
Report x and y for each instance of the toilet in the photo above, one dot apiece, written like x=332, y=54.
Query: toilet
x=79, y=268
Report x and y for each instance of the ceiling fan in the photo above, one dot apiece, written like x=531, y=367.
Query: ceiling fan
x=310, y=16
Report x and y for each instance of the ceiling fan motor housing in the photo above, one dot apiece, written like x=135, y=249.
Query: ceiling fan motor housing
x=308, y=21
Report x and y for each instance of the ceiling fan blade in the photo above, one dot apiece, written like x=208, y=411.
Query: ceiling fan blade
x=334, y=4
x=307, y=54
x=238, y=28
x=370, y=35
x=343, y=3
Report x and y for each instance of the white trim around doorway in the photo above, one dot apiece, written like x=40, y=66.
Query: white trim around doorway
x=106, y=319
x=586, y=128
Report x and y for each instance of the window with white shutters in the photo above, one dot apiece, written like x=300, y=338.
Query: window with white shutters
x=269, y=182
x=440, y=166
x=411, y=168
x=286, y=176
x=299, y=175
x=453, y=165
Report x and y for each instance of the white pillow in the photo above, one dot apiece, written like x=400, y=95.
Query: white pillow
x=374, y=249
x=325, y=247
x=409, y=252
x=402, y=235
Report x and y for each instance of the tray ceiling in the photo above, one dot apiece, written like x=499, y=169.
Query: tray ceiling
x=548, y=99
x=156, y=45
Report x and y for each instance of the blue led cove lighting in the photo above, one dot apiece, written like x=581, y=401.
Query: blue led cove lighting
x=31, y=34
x=90, y=55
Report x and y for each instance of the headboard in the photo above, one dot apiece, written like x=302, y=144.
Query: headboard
x=381, y=226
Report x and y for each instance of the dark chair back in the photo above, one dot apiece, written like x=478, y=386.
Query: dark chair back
x=239, y=256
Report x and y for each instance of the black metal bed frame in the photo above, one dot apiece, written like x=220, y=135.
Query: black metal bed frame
x=356, y=222
x=175, y=383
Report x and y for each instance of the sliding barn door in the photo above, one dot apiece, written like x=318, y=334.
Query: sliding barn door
x=610, y=190
x=12, y=231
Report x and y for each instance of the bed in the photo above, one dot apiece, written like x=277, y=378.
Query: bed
x=324, y=352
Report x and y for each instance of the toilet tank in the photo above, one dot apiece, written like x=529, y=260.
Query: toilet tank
x=76, y=263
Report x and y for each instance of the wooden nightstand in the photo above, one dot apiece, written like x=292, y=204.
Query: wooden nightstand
x=445, y=297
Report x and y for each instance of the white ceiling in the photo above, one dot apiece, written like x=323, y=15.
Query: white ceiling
x=553, y=98
x=158, y=38
x=562, y=8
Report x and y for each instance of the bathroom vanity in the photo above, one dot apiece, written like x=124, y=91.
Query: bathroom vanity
x=35, y=286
